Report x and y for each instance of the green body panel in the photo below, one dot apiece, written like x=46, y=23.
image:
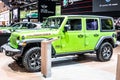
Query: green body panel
x=69, y=41
x=31, y=34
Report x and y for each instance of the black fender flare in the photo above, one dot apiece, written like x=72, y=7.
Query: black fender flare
x=104, y=38
x=39, y=40
x=34, y=40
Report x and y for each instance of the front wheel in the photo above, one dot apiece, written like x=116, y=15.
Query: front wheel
x=31, y=59
x=104, y=52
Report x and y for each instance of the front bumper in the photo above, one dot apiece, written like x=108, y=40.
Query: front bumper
x=9, y=51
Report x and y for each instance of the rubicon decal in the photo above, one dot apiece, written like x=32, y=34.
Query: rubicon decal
x=40, y=34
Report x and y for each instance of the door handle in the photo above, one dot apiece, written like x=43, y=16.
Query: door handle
x=96, y=35
x=80, y=35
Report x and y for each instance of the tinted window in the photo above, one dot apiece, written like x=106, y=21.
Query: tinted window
x=24, y=25
x=16, y=25
x=30, y=25
x=91, y=24
x=74, y=24
x=107, y=24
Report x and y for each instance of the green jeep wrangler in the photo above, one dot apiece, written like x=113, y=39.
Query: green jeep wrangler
x=77, y=34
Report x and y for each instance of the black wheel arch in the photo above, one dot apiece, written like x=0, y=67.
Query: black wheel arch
x=30, y=45
x=35, y=44
x=105, y=39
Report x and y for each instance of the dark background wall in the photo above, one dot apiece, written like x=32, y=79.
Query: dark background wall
x=92, y=7
x=78, y=7
x=106, y=5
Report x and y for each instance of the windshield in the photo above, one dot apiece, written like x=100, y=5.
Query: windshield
x=16, y=25
x=53, y=22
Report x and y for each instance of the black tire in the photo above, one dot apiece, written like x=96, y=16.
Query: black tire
x=31, y=59
x=104, y=52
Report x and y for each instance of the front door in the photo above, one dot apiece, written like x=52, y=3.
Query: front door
x=74, y=39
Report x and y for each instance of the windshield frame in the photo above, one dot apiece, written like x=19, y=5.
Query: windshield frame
x=53, y=22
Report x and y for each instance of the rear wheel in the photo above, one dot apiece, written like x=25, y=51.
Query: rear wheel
x=104, y=52
x=31, y=59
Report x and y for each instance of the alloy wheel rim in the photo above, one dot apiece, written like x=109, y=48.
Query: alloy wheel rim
x=34, y=60
x=106, y=52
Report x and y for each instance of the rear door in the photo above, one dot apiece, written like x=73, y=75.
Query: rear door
x=92, y=32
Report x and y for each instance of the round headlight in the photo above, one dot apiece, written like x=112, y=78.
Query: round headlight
x=18, y=38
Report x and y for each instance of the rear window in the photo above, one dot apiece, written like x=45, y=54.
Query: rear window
x=107, y=24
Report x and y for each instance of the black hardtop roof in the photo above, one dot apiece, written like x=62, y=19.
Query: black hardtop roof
x=91, y=16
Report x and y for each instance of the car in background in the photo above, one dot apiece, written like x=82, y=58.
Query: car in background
x=5, y=32
x=20, y=25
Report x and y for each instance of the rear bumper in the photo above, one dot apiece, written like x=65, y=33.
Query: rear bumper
x=9, y=51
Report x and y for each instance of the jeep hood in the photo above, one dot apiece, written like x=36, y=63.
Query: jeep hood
x=36, y=33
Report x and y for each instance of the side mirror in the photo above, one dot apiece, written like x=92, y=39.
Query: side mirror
x=66, y=28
